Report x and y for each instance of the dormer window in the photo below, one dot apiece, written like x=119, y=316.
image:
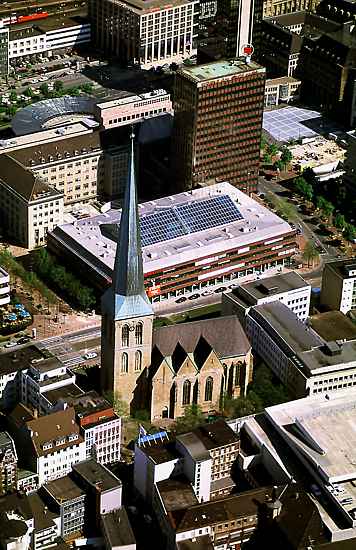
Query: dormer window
x=73, y=437
x=46, y=446
x=60, y=441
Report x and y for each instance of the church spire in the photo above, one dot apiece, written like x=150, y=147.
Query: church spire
x=127, y=294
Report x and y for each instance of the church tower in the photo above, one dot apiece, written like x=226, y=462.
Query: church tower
x=127, y=315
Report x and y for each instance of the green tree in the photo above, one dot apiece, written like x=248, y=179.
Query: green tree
x=303, y=188
x=87, y=87
x=58, y=85
x=286, y=156
x=28, y=92
x=120, y=407
x=310, y=253
x=272, y=149
x=192, y=418
x=263, y=142
x=44, y=89
x=13, y=96
x=267, y=159
x=278, y=165
x=73, y=91
x=340, y=221
x=350, y=231
x=11, y=110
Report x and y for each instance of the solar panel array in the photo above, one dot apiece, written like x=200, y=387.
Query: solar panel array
x=178, y=221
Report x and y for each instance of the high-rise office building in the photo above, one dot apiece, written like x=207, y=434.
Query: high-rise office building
x=240, y=24
x=218, y=122
x=145, y=32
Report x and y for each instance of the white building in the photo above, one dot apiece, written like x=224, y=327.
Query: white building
x=46, y=36
x=303, y=361
x=145, y=33
x=338, y=289
x=50, y=443
x=288, y=288
x=29, y=206
x=4, y=287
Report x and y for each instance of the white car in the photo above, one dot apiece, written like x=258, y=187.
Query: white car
x=10, y=344
x=90, y=355
x=34, y=81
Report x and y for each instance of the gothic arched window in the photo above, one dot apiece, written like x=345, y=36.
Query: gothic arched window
x=124, y=363
x=138, y=360
x=186, y=392
x=209, y=384
x=138, y=333
x=125, y=336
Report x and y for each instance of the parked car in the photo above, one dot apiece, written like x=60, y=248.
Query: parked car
x=90, y=355
x=220, y=289
x=181, y=299
x=10, y=344
x=194, y=297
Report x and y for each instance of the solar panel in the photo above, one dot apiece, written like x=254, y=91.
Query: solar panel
x=197, y=216
x=160, y=226
x=166, y=225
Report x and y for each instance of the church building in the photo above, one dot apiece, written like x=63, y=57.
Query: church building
x=167, y=369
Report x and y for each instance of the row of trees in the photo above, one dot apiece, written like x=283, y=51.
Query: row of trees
x=15, y=268
x=271, y=151
x=306, y=190
x=49, y=270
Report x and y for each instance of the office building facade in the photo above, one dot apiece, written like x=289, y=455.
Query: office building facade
x=338, y=290
x=218, y=121
x=145, y=33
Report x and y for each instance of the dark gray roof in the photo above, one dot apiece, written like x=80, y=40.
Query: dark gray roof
x=269, y=286
x=33, y=117
x=43, y=517
x=224, y=334
x=284, y=327
x=117, y=528
x=216, y=434
x=23, y=181
x=63, y=489
x=176, y=493
x=96, y=475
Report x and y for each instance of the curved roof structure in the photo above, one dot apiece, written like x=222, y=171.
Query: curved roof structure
x=50, y=113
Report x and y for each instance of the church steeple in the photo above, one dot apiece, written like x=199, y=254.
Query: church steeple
x=127, y=297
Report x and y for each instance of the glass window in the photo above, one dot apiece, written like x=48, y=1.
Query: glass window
x=186, y=392
x=124, y=363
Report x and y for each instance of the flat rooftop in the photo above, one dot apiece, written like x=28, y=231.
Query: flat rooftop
x=343, y=268
x=13, y=361
x=320, y=360
x=67, y=392
x=129, y=98
x=215, y=219
x=322, y=429
x=282, y=80
x=292, y=335
x=117, y=529
x=219, y=69
x=333, y=325
x=97, y=475
x=161, y=452
x=271, y=286
x=216, y=434
x=64, y=489
x=176, y=494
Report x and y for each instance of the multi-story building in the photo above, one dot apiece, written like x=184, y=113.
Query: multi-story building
x=44, y=383
x=68, y=500
x=4, y=52
x=203, y=457
x=240, y=25
x=73, y=166
x=226, y=235
x=280, y=49
x=29, y=206
x=271, y=8
x=20, y=12
x=145, y=33
x=304, y=362
x=4, y=287
x=289, y=288
x=132, y=108
x=44, y=37
x=217, y=126
x=100, y=426
x=223, y=445
x=51, y=444
x=338, y=289
x=281, y=90
x=103, y=490
x=8, y=464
